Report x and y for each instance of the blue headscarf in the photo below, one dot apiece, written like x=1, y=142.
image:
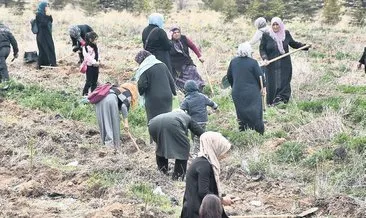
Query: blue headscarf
x=41, y=7
x=156, y=19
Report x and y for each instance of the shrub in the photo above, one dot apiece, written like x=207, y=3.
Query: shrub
x=331, y=11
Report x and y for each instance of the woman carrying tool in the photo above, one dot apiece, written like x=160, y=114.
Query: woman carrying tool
x=244, y=76
x=279, y=73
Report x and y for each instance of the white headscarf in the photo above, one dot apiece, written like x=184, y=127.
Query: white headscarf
x=245, y=50
x=212, y=146
x=260, y=22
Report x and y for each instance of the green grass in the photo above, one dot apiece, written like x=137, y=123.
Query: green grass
x=319, y=156
x=290, y=152
x=59, y=102
x=349, y=89
x=105, y=179
x=319, y=105
x=144, y=192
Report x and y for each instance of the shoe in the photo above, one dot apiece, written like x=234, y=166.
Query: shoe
x=277, y=101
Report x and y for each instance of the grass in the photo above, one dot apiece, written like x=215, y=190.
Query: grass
x=105, y=179
x=290, y=152
x=348, y=89
x=319, y=105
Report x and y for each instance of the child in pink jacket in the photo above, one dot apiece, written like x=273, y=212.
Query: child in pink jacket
x=91, y=56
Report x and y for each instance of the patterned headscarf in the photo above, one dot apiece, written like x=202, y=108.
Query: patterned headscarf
x=41, y=7
x=280, y=36
x=156, y=19
x=141, y=55
x=245, y=50
x=190, y=86
x=260, y=22
x=212, y=146
x=74, y=31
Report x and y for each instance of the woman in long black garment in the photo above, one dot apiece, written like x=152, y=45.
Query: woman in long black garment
x=279, y=73
x=46, y=47
x=244, y=77
x=156, y=41
x=203, y=174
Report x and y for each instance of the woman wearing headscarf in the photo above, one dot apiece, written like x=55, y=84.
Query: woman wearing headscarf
x=170, y=132
x=77, y=35
x=203, y=174
x=182, y=64
x=156, y=41
x=261, y=25
x=6, y=40
x=155, y=84
x=279, y=73
x=46, y=47
x=119, y=100
x=211, y=207
x=244, y=77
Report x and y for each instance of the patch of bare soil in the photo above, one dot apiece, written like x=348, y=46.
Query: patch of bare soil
x=51, y=167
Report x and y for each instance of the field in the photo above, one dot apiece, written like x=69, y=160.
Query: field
x=313, y=153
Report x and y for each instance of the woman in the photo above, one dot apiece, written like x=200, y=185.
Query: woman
x=279, y=73
x=46, y=47
x=77, y=35
x=182, y=64
x=261, y=25
x=203, y=174
x=92, y=58
x=244, y=77
x=156, y=41
x=211, y=207
x=155, y=84
x=119, y=100
x=170, y=132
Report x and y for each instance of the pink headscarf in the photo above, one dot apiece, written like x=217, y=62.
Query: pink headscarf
x=278, y=37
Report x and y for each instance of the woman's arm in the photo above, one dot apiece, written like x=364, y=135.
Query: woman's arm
x=230, y=74
x=143, y=83
x=193, y=47
x=293, y=43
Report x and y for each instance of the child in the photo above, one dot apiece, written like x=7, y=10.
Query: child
x=362, y=60
x=195, y=104
x=91, y=56
x=6, y=39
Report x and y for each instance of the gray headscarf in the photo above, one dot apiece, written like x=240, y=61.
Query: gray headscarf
x=74, y=31
x=245, y=50
x=141, y=55
x=260, y=22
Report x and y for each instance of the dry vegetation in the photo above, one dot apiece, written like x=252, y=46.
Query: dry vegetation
x=312, y=154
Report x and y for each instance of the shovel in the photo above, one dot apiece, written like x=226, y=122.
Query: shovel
x=303, y=214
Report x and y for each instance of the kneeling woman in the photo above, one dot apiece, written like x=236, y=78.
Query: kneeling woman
x=203, y=174
x=120, y=100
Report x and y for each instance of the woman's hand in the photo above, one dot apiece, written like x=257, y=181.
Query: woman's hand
x=264, y=62
x=226, y=201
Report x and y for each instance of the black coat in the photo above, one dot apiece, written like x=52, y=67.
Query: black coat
x=7, y=39
x=159, y=44
x=84, y=29
x=157, y=85
x=200, y=181
x=244, y=77
x=363, y=59
x=46, y=47
x=170, y=132
x=278, y=73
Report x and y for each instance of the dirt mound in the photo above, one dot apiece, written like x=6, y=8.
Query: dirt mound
x=342, y=206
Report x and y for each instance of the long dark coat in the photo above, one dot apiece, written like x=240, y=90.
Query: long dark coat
x=363, y=58
x=278, y=73
x=157, y=85
x=84, y=29
x=46, y=47
x=200, y=181
x=159, y=44
x=170, y=132
x=243, y=75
